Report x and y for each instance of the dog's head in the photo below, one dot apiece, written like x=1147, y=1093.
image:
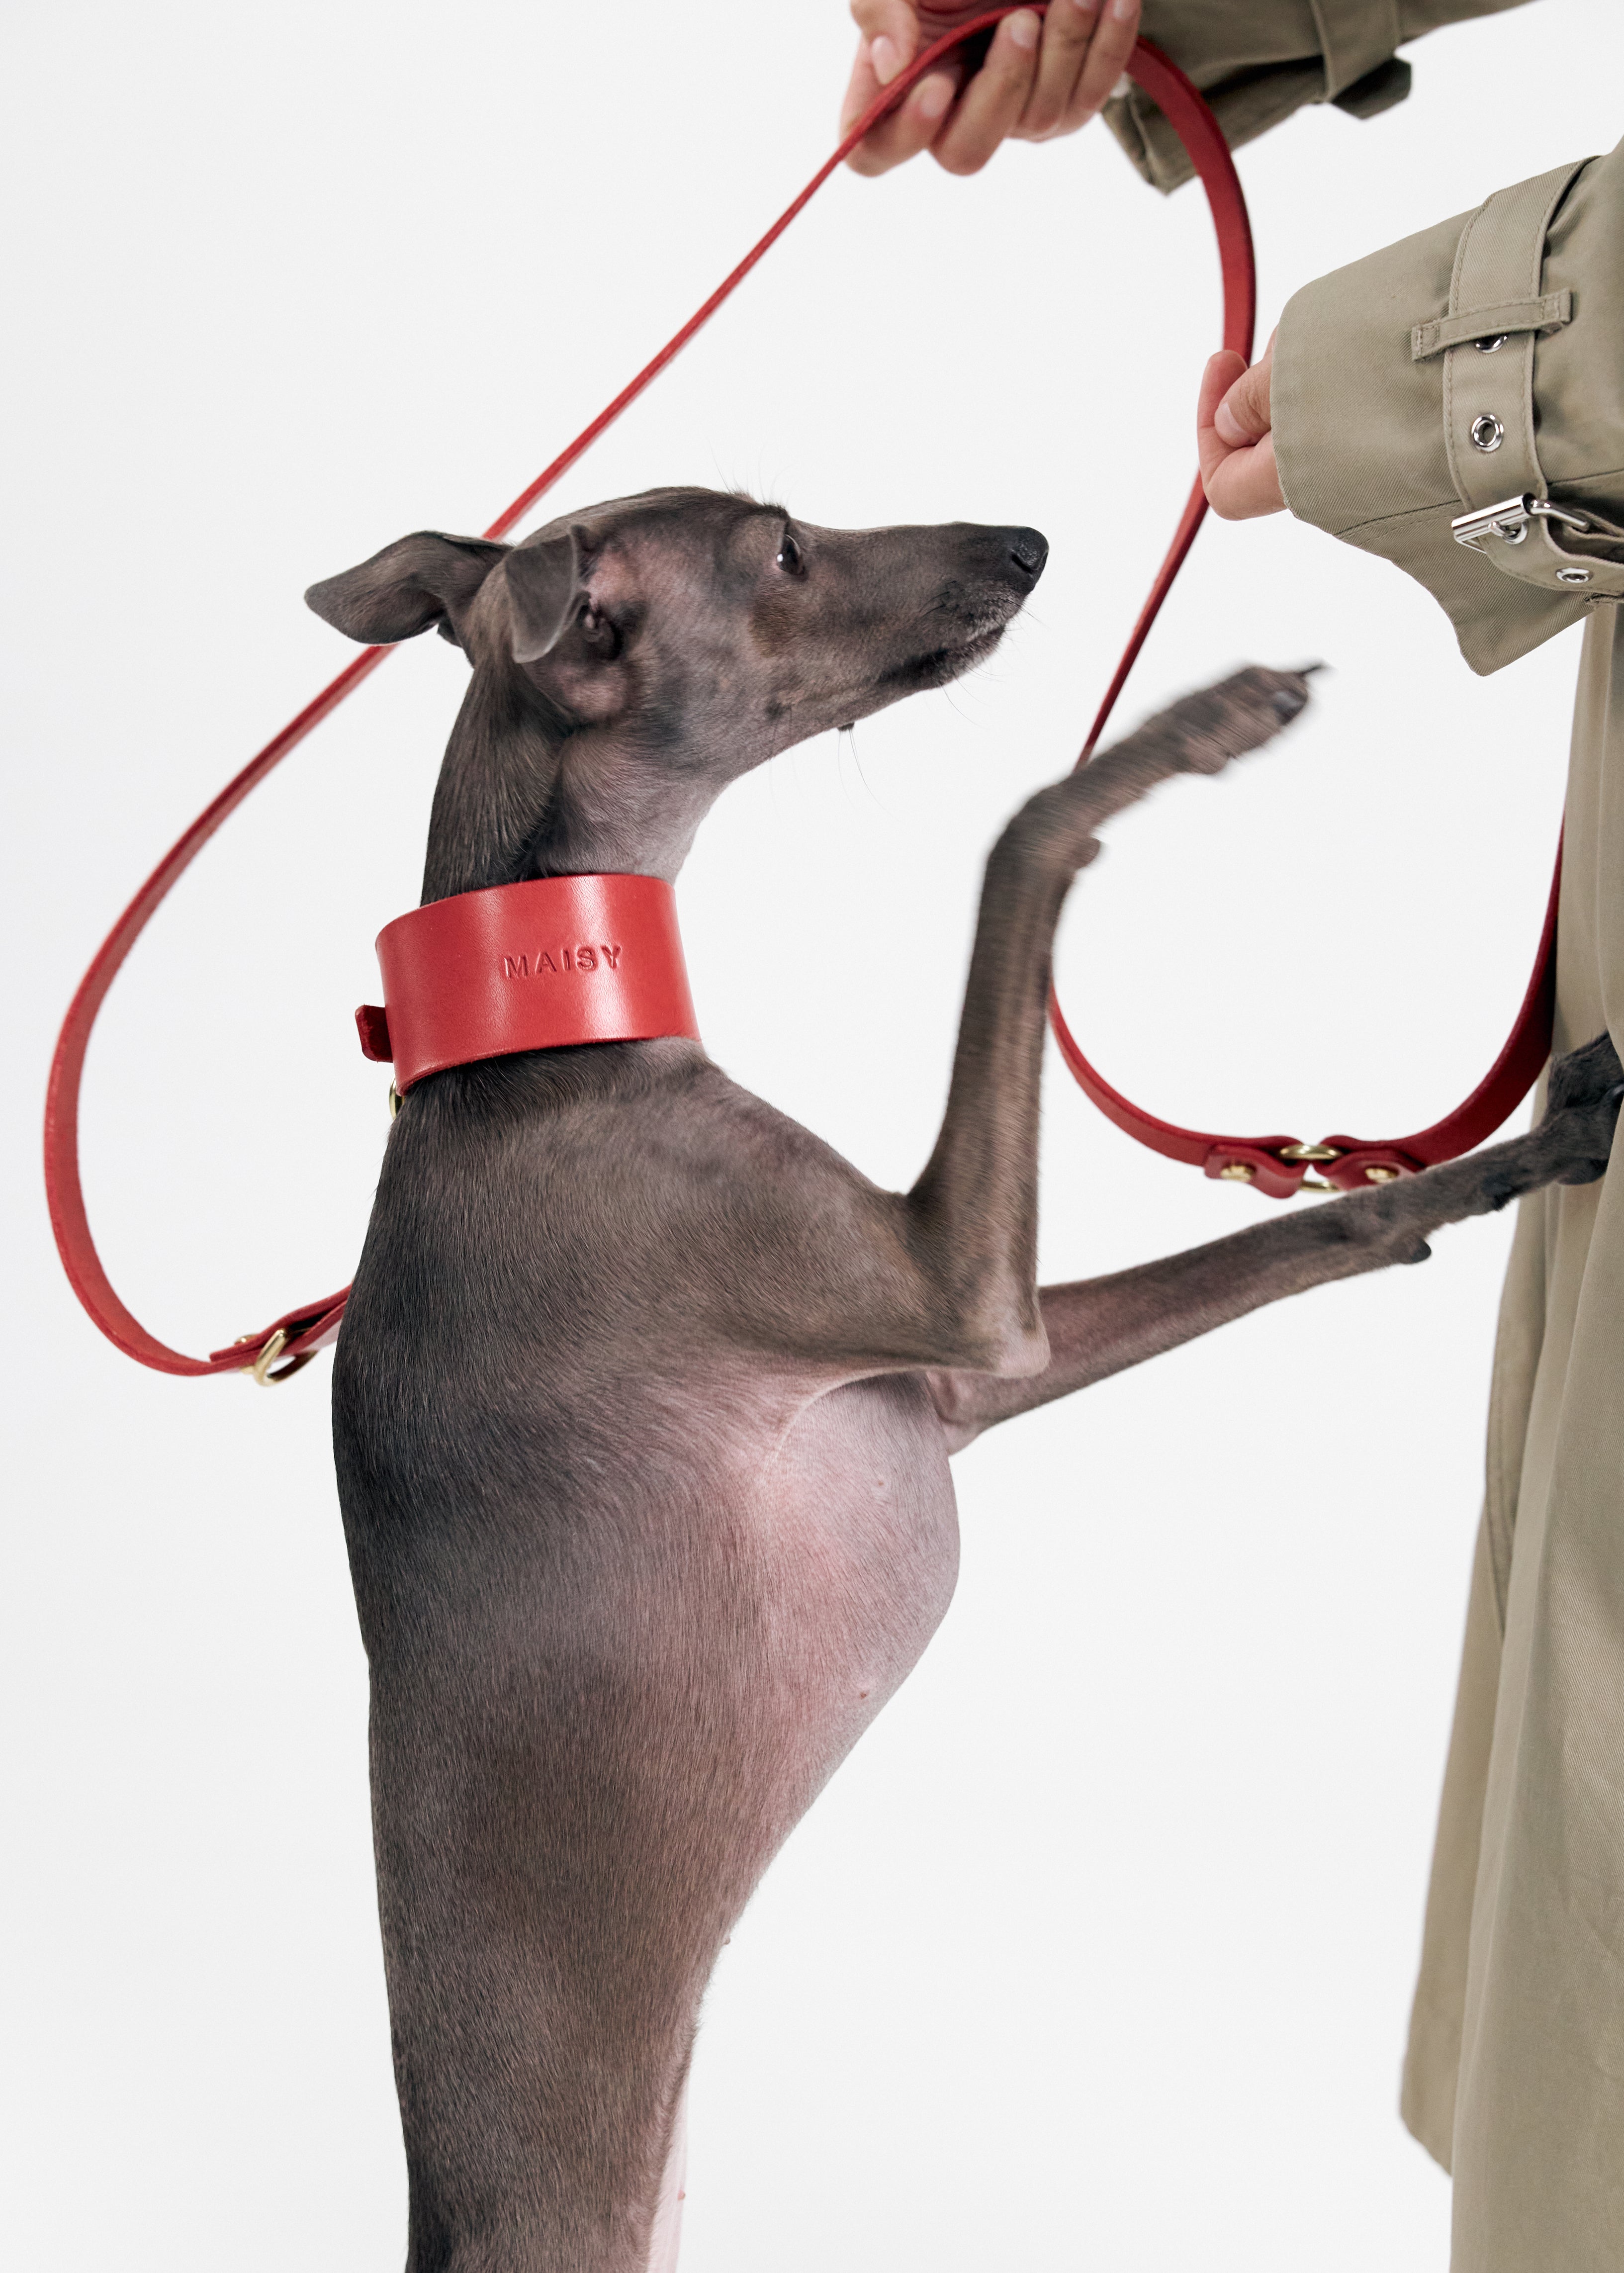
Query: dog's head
x=684, y=636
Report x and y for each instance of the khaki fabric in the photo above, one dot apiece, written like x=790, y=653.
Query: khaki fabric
x=1515, y=2077
x=1382, y=479
x=1257, y=60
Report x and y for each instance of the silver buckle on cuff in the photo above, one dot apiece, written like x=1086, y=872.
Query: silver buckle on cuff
x=1508, y=521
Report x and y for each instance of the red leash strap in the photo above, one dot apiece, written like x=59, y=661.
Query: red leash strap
x=1272, y=1164
x=1278, y=1166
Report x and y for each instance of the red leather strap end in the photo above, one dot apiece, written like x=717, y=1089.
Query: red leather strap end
x=1258, y=1166
x=1359, y=1168
x=372, y=1025
x=1364, y=1165
x=309, y=1328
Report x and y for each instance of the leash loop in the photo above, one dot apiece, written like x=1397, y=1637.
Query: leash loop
x=1274, y=1164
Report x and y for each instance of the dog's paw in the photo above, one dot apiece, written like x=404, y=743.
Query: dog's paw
x=1218, y=723
x=1585, y=1091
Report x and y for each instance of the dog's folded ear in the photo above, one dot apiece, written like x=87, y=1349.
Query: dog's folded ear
x=545, y=585
x=425, y=578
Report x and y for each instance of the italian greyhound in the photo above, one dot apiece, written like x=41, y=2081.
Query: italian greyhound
x=644, y=1400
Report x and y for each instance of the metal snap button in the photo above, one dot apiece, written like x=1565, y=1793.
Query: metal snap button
x=1494, y=346
x=1573, y=575
x=1487, y=434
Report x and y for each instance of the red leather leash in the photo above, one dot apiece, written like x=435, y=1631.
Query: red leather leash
x=1278, y=1166
x=1273, y=1165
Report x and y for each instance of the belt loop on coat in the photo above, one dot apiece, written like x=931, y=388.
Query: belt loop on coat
x=1496, y=317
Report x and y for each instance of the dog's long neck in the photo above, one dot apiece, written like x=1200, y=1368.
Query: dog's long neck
x=521, y=794
x=496, y=782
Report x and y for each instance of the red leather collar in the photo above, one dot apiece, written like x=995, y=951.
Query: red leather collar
x=536, y=966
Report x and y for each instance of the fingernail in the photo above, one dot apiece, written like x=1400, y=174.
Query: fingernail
x=1230, y=428
x=1123, y=12
x=1023, y=30
x=882, y=53
x=1083, y=7
x=934, y=96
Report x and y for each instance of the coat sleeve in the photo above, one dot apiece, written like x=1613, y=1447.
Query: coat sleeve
x=1456, y=404
x=1257, y=60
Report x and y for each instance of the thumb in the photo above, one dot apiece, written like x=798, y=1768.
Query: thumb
x=1243, y=415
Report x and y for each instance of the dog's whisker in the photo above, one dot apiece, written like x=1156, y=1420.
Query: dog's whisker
x=856, y=759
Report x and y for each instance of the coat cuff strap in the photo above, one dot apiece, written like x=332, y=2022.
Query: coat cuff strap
x=1488, y=339
x=1489, y=328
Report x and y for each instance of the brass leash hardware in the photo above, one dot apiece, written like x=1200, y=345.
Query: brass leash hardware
x=260, y=1369
x=394, y=1100
x=260, y=1372
x=1243, y=1172
x=1311, y=1152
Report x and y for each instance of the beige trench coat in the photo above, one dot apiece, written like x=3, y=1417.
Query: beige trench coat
x=1515, y=2073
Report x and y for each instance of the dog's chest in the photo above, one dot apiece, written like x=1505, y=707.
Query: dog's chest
x=853, y=1532
x=602, y=1337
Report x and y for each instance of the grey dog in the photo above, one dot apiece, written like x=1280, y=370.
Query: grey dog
x=645, y=1398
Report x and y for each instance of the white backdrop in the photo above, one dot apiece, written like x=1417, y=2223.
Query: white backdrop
x=1098, y=1951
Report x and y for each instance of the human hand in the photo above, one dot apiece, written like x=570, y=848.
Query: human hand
x=1234, y=436
x=1040, y=77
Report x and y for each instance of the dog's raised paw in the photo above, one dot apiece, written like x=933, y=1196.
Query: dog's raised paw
x=1241, y=713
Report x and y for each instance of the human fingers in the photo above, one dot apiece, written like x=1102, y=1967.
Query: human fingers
x=889, y=42
x=1246, y=484
x=910, y=127
x=1067, y=29
x=1086, y=46
x=890, y=32
x=990, y=106
x=1234, y=438
x=1109, y=51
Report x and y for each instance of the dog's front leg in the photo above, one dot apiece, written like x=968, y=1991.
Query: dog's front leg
x=974, y=1211
x=1102, y=1326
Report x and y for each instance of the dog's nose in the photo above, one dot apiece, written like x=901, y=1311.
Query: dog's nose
x=1028, y=549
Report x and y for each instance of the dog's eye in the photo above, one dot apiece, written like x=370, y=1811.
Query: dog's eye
x=601, y=637
x=790, y=555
